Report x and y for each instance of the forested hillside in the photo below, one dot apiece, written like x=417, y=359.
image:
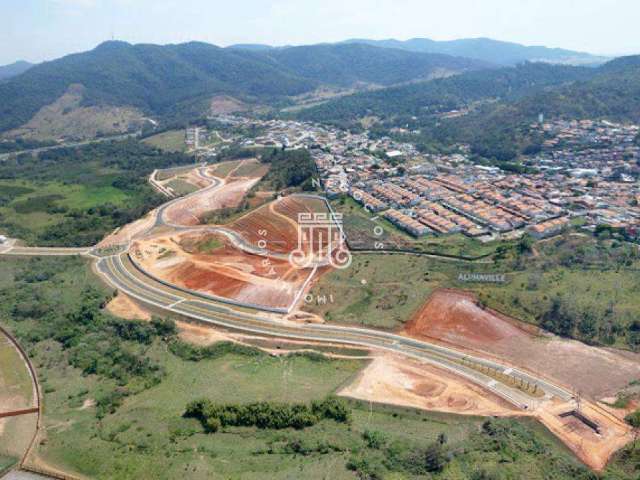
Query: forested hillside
x=500, y=104
x=347, y=64
x=445, y=94
x=155, y=79
x=488, y=50
x=177, y=80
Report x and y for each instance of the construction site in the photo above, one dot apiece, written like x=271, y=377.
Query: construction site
x=235, y=281
x=245, y=262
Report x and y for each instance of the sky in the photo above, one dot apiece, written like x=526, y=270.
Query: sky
x=37, y=30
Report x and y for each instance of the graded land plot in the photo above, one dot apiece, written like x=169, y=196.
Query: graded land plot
x=398, y=381
x=275, y=227
x=455, y=318
x=250, y=168
x=210, y=264
x=223, y=169
x=181, y=187
x=229, y=195
x=170, y=141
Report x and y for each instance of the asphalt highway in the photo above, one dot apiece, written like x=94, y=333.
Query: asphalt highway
x=119, y=272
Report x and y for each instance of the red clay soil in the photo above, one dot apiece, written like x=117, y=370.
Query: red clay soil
x=455, y=318
x=224, y=272
x=236, y=275
x=274, y=227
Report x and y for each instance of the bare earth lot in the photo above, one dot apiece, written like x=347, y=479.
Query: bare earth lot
x=454, y=318
x=399, y=381
x=224, y=271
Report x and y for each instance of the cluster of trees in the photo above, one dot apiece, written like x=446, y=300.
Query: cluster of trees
x=501, y=104
x=195, y=353
x=268, y=415
x=123, y=165
x=591, y=322
x=289, y=168
x=8, y=146
x=479, y=456
x=93, y=341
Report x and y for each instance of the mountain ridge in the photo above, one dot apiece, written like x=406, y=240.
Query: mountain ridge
x=174, y=79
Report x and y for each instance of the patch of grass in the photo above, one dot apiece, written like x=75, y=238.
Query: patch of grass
x=224, y=168
x=209, y=245
x=181, y=187
x=6, y=463
x=170, y=141
x=380, y=291
x=15, y=379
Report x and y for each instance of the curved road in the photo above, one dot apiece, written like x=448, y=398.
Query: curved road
x=118, y=270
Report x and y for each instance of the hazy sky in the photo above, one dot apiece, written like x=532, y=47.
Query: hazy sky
x=38, y=30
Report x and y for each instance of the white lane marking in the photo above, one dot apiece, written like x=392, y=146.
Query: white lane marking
x=177, y=303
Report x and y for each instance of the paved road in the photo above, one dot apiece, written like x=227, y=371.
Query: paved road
x=45, y=251
x=121, y=274
x=5, y=156
x=118, y=270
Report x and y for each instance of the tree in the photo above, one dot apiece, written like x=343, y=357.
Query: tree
x=434, y=458
x=525, y=245
x=633, y=419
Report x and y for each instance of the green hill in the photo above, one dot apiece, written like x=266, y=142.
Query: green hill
x=501, y=104
x=446, y=94
x=489, y=50
x=177, y=80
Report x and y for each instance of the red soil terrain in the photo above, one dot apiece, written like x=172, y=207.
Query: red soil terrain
x=455, y=318
x=274, y=227
x=224, y=272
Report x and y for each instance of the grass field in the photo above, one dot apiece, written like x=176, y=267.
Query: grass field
x=34, y=206
x=383, y=291
x=15, y=379
x=170, y=141
x=6, y=463
x=16, y=393
x=181, y=187
x=147, y=437
x=224, y=168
